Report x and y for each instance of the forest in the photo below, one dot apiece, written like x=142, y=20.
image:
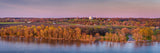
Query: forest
x=141, y=29
x=70, y=33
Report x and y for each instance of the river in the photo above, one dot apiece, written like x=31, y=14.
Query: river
x=12, y=45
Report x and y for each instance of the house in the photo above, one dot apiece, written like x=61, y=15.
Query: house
x=29, y=22
x=54, y=22
x=109, y=19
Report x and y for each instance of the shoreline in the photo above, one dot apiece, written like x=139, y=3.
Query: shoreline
x=60, y=39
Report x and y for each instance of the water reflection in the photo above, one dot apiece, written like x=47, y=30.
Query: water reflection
x=75, y=42
x=47, y=41
x=32, y=45
x=143, y=43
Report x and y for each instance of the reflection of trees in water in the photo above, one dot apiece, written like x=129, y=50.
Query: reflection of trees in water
x=144, y=43
x=47, y=41
x=115, y=44
x=65, y=43
x=135, y=44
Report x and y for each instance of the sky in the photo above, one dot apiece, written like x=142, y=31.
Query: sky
x=67, y=8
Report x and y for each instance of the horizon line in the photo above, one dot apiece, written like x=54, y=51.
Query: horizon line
x=80, y=16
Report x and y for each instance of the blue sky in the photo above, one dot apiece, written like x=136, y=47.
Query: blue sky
x=62, y=8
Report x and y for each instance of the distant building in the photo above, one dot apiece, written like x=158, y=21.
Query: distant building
x=156, y=27
x=54, y=22
x=29, y=22
x=90, y=17
x=109, y=19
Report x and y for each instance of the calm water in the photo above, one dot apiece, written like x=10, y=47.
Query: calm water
x=10, y=45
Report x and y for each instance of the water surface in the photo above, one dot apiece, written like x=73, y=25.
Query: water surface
x=17, y=45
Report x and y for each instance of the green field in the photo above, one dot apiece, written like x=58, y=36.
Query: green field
x=11, y=22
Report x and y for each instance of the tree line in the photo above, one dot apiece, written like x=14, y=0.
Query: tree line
x=77, y=33
x=154, y=22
